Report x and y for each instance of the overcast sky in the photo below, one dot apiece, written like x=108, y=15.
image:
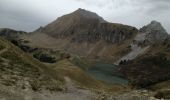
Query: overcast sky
x=28, y=15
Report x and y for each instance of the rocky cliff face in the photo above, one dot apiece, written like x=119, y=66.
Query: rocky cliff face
x=86, y=26
x=152, y=33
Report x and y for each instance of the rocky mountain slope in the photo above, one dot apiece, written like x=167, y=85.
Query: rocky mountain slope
x=153, y=65
x=84, y=33
x=153, y=33
x=86, y=26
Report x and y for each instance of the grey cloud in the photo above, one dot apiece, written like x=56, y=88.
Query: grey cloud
x=30, y=20
x=20, y=18
x=99, y=3
x=152, y=4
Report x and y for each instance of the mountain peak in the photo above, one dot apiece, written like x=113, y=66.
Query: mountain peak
x=155, y=22
x=81, y=10
x=154, y=26
x=154, y=31
x=88, y=14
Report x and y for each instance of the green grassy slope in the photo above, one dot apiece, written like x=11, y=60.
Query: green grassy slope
x=82, y=78
x=21, y=70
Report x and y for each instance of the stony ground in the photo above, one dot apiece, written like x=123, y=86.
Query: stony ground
x=72, y=93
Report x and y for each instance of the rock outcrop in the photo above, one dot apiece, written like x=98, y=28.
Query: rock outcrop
x=148, y=35
x=10, y=34
x=152, y=33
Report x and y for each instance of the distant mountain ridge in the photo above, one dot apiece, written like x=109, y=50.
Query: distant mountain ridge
x=10, y=33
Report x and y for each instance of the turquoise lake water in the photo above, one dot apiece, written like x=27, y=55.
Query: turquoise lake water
x=107, y=73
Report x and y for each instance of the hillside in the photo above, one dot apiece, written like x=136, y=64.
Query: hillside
x=30, y=78
x=20, y=72
x=152, y=66
x=85, y=33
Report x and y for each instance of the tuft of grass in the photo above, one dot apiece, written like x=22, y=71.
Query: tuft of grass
x=160, y=86
x=2, y=46
x=1, y=60
x=164, y=94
